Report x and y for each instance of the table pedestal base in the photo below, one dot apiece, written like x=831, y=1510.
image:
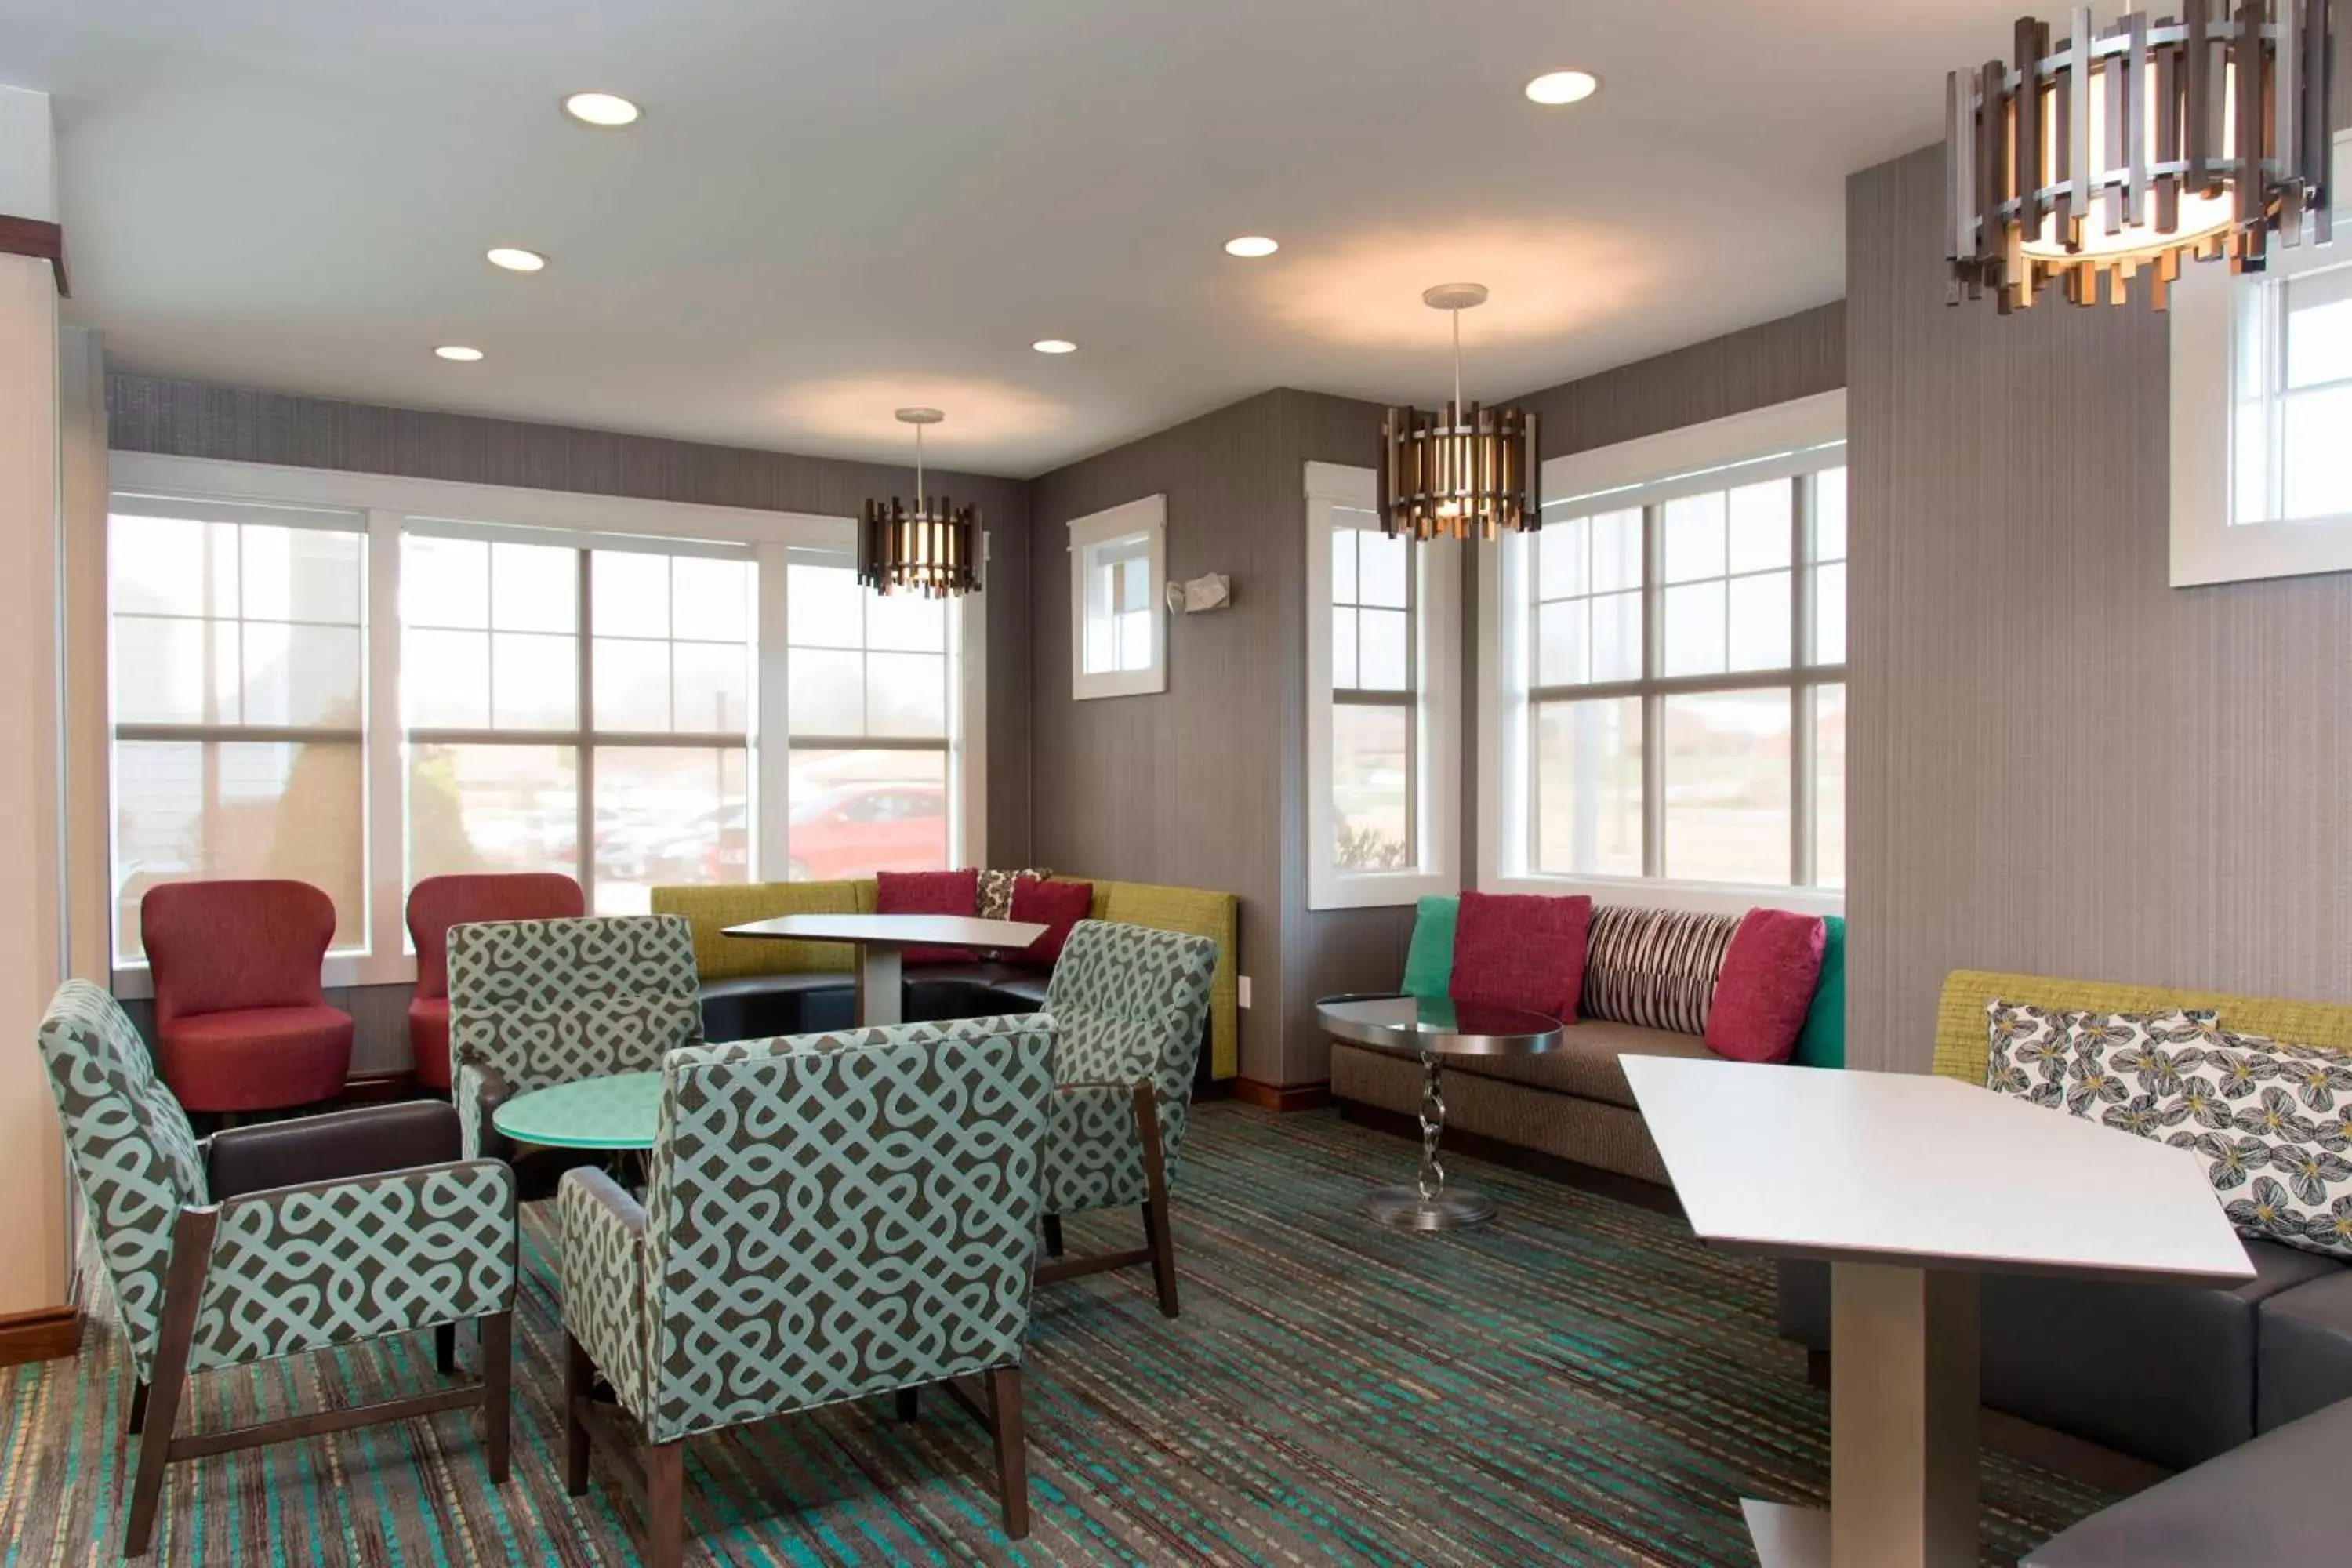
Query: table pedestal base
x=1450, y=1208
x=1430, y=1204
x=878, y=972
x=1902, y=1428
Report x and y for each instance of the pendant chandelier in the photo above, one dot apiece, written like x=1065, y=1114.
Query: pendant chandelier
x=2099, y=155
x=933, y=550
x=1464, y=471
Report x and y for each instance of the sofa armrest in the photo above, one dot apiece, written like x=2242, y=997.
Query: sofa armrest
x=602, y=1269
x=363, y=1142
x=329, y=1263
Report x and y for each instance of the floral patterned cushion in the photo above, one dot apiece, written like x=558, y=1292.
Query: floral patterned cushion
x=2272, y=1120
x=2028, y=1052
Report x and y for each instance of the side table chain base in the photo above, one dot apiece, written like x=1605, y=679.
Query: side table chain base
x=1429, y=1204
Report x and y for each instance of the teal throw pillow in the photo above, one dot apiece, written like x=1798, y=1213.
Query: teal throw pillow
x=1429, y=961
x=1822, y=1042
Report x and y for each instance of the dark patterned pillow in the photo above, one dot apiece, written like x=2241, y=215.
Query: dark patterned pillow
x=1656, y=968
x=996, y=890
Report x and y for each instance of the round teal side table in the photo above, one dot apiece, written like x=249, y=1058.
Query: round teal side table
x=615, y=1113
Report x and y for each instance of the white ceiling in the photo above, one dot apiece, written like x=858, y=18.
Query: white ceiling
x=833, y=207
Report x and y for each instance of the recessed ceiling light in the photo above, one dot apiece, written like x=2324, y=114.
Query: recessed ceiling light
x=514, y=258
x=607, y=110
x=459, y=353
x=1251, y=245
x=1563, y=86
x=1054, y=346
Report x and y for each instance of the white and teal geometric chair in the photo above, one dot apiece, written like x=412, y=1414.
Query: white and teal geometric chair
x=274, y=1240
x=826, y=1217
x=533, y=1003
x=1126, y=1004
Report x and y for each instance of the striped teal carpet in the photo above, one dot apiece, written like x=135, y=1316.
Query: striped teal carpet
x=1579, y=1384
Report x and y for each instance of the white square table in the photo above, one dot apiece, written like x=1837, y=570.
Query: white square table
x=1910, y=1186
x=880, y=940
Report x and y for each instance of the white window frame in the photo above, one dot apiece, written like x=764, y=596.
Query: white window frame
x=2206, y=312
x=1333, y=490
x=1148, y=518
x=391, y=502
x=1693, y=459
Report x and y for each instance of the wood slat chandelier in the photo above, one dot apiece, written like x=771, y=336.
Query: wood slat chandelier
x=932, y=550
x=2104, y=154
x=1463, y=472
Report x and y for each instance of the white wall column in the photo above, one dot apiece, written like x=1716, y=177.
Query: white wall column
x=33, y=1230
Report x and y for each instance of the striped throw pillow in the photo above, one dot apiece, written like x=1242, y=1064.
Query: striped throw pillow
x=1656, y=968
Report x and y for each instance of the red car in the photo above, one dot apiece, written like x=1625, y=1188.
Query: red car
x=859, y=829
x=855, y=830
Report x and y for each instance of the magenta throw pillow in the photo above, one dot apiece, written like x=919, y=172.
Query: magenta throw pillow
x=1519, y=950
x=1770, y=972
x=1057, y=906
x=929, y=893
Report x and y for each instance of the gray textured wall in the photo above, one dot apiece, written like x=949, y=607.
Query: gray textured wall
x=1201, y=786
x=2060, y=764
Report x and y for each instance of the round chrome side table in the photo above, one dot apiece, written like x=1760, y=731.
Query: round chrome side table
x=1432, y=1028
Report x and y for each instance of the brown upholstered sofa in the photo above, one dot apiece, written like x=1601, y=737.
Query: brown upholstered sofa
x=1649, y=979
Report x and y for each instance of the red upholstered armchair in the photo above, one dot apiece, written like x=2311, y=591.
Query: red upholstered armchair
x=241, y=1023
x=437, y=903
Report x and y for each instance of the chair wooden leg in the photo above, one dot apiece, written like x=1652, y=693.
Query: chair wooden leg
x=665, y=1505
x=138, y=1409
x=1158, y=1233
x=579, y=1377
x=906, y=1405
x=1053, y=1236
x=445, y=1347
x=498, y=1388
x=1011, y=1455
x=184, y=1289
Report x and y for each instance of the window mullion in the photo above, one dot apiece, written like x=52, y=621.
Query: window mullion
x=583, y=760
x=383, y=754
x=1417, y=700
x=1654, y=757
x=1801, y=706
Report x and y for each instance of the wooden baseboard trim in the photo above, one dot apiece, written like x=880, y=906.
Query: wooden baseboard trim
x=51, y=1333
x=1624, y=1189
x=1283, y=1096
x=2078, y=1459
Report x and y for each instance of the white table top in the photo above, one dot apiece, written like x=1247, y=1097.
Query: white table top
x=1926, y=1172
x=897, y=931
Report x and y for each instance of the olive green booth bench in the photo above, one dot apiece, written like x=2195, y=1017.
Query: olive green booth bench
x=755, y=988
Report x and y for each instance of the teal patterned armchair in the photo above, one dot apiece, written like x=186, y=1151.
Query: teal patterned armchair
x=1126, y=1004
x=273, y=1240
x=533, y=1003
x=826, y=1217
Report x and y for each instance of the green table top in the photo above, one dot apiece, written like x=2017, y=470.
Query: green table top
x=615, y=1112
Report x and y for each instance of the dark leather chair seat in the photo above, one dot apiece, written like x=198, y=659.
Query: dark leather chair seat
x=757, y=1006
x=2168, y=1374
x=2303, y=1349
x=2269, y=1504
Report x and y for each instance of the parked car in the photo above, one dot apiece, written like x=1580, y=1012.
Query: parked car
x=858, y=829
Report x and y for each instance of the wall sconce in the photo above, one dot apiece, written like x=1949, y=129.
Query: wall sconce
x=1211, y=591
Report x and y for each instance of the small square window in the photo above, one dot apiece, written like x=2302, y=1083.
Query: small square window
x=1118, y=570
